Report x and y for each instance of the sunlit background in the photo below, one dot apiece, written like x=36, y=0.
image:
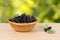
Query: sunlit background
x=47, y=11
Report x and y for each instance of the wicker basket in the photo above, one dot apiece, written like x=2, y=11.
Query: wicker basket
x=22, y=27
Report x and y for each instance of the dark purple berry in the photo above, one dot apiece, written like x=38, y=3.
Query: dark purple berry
x=33, y=18
x=23, y=15
x=49, y=28
x=45, y=29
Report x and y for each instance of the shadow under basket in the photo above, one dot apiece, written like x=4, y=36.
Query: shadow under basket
x=22, y=27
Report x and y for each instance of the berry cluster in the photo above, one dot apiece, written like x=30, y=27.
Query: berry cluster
x=23, y=19
x=45, y=29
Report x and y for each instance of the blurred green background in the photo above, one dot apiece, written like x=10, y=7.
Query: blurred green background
x=47, y=11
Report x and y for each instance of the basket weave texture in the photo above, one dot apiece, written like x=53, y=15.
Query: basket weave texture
x=22, y=27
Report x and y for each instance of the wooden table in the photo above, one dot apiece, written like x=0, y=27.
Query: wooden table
x=7, y=33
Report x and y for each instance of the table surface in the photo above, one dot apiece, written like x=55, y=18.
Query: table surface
x=8, y=33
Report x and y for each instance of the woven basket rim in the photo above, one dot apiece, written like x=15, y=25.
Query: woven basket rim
x=22, y=23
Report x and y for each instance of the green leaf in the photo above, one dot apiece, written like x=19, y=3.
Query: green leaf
x=51, y=31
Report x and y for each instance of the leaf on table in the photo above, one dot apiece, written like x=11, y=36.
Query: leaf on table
x=51, y=31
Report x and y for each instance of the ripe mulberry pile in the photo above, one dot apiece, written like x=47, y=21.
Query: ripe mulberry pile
x=23, y=18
